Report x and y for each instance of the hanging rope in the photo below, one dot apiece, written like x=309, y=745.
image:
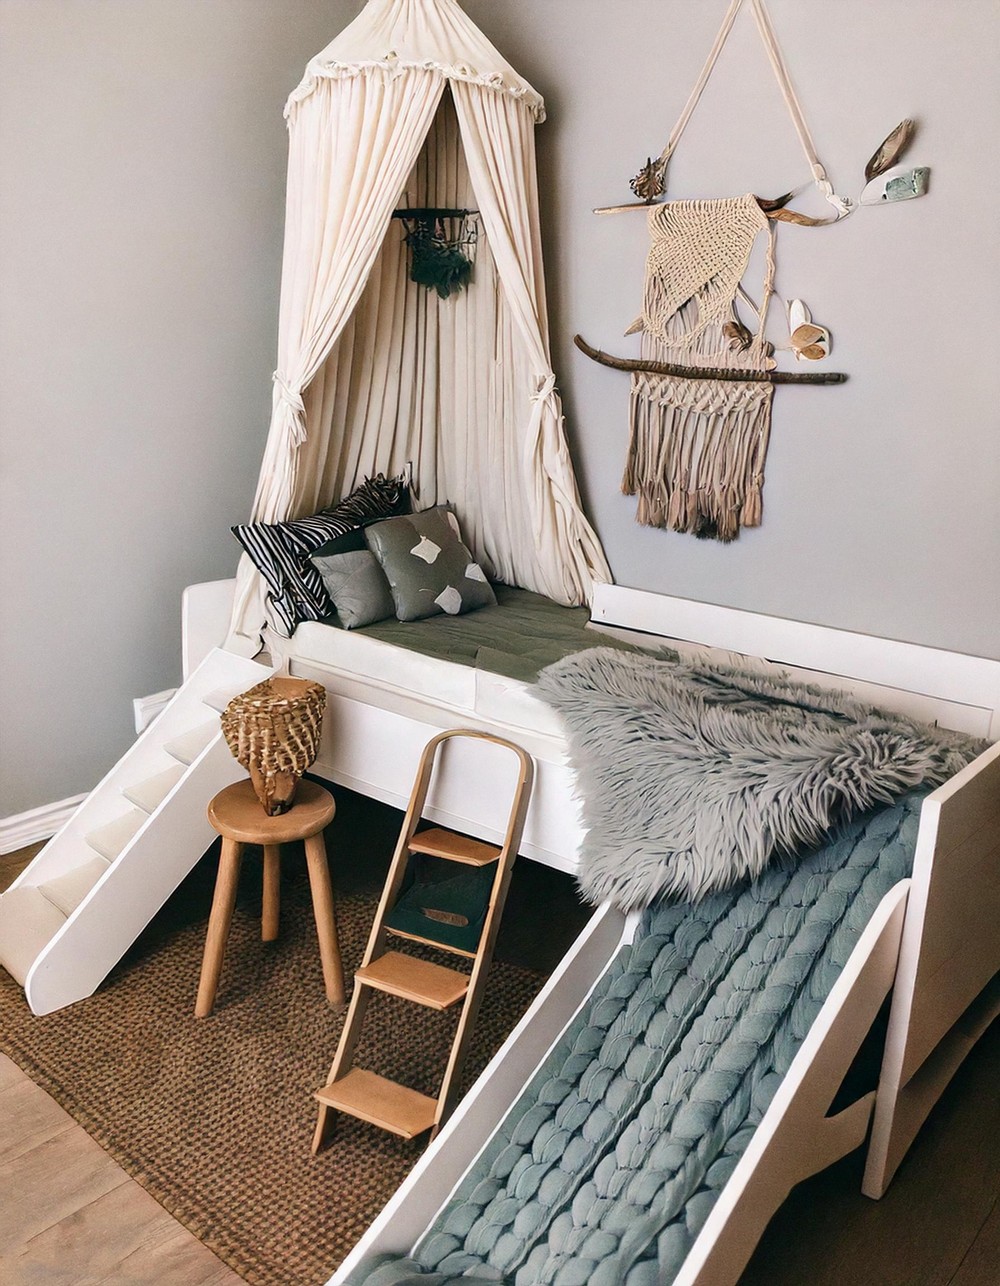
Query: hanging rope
x=699, y=87
x=843, y=205
x=649, y=182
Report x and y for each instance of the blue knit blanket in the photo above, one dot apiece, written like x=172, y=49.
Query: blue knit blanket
x=606, y=1168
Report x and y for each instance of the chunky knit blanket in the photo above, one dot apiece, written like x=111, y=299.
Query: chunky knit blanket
x=693, y=777
x=607, y=1167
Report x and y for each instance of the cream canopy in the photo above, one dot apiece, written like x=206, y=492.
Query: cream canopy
x=374, y=371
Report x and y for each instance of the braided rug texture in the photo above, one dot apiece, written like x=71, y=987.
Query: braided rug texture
x=607, y=1167
x=214, y=1116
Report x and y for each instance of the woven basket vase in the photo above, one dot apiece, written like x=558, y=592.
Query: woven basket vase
x=273, y=730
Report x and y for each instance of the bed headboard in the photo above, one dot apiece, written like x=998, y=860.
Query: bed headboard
x=957, y=691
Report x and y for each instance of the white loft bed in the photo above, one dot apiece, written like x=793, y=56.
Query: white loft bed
x=379, y=720
x=933, y=939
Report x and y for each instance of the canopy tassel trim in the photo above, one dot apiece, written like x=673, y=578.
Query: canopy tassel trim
x=392, y=37
x=391, y=66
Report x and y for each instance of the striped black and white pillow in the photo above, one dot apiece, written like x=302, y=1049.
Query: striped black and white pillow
x=280, y=550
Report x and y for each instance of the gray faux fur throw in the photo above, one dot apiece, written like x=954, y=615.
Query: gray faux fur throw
x=692, y=777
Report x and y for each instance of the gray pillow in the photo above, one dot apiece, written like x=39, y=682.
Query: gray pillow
x=355, y=582
x=428, y=568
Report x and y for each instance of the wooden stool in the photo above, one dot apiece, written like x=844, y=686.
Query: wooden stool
x=237, y=815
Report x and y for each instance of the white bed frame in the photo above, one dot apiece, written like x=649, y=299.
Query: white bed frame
x=933, y=939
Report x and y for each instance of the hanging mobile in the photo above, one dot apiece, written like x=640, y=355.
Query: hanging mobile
x=437, y=239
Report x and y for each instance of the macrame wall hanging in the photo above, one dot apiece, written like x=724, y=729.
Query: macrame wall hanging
x=442, y=246
x=700, y=407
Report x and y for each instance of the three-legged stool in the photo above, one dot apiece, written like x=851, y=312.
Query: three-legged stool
x=237, y=814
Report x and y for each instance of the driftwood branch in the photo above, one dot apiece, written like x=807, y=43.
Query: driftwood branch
x=774, y=209
x=707, y=372
x=630, y=205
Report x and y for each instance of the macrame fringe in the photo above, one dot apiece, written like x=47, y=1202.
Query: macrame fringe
x=697, y=446
x=696, y=455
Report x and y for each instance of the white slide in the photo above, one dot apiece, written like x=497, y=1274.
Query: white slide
x=74, y=911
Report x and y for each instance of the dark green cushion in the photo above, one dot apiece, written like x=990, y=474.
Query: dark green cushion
x=428, y=567
x=345, y=544
x=450, y=910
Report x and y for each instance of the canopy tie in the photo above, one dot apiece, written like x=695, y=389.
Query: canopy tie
x=285, y=394
x=546, y=387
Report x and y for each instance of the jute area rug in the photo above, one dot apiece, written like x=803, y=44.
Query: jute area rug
x=214, y=1116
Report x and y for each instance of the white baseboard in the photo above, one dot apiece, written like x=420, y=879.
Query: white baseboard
x=36, y=824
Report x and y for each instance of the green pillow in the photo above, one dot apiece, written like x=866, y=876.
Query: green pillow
x=355, y=582
x=428, y=567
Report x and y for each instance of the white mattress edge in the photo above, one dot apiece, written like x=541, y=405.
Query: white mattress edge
x=354, y=666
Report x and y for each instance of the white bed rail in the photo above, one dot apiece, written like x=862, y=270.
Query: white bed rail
x=950, y=954
x=955, y=690
x=205, y=612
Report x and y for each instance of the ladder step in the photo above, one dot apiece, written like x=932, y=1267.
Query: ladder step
x=111, y=839
x=28, y=922
x=221, y=697
x=189, y=745
x=458, y=913
x=438, y=842
x=428, y=984
x=67, y=891
x=381, y=1102
x=150, y=793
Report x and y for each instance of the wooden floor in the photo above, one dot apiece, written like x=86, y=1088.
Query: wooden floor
x=70, y=1215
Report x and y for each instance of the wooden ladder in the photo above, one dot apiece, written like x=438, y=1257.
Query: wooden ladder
x=364, y=1094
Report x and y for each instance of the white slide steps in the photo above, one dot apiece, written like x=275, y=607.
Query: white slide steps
x=93, y=888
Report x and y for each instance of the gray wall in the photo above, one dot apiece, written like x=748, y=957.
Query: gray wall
x=882, y=502
x=142, y=159
x=142, y=152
